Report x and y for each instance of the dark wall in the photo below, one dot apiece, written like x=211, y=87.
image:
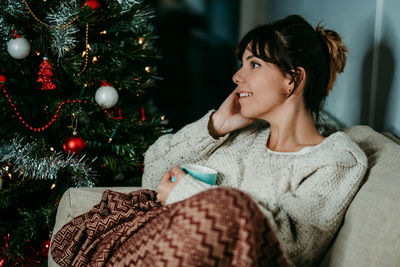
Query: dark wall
x=198, y=58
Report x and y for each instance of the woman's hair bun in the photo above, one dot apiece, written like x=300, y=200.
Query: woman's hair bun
x=337, y=53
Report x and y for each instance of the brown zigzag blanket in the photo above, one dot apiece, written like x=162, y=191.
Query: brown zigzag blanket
x=218, y=227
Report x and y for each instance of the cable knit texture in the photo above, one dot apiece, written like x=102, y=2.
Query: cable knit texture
x=303, y=194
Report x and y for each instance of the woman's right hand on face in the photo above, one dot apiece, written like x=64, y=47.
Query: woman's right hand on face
x=227, y=118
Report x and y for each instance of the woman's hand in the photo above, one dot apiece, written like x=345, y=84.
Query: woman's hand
x=227, y=118
x=166, y=185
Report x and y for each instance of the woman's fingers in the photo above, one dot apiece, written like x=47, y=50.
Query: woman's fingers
x=178, y=172
x=166, y=185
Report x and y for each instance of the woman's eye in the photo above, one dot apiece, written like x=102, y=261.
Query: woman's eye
x=254, y=64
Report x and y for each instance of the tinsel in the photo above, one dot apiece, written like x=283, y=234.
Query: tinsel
x=141, y=20
x=16, y=8
x=5, y=31
x=23, y=160
x=63, y=39
x=127, y=4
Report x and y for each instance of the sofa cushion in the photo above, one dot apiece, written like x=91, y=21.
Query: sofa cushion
x=370, y=235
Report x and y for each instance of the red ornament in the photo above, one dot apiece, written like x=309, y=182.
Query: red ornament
x=74, y=144
x=45, y=75
x=93, y=4
x=2, y=79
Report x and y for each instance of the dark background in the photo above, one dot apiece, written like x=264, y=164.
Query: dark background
x=197, y=43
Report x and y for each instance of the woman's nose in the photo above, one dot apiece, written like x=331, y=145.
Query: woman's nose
x=237, y=78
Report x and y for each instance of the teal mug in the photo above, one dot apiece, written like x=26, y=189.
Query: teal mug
x=202, y=173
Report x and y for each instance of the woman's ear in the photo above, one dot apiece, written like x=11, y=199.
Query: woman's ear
x=297, y=80
x=300, y=76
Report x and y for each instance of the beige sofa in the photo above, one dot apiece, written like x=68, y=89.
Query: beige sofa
x=370, y=235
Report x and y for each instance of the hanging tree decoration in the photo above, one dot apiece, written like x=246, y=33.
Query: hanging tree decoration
x=106, y=96
x=74, y=144
x=63, y=26
x=45, y=75
x=18, y=47
x=2, y=80
x=93, y=4
x=63, y=38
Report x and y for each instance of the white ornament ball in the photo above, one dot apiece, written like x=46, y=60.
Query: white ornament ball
x=106, y=96
x=18, y=48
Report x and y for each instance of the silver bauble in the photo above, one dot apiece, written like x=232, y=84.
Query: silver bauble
x=18, y=48
x=106, y=96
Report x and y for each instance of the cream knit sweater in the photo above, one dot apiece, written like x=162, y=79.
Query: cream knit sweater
x=304, y=195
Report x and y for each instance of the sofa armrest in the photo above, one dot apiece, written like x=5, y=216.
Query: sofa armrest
x=370, y=234
x=76, y=201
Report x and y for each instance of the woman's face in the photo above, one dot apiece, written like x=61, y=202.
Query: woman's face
x=261, y=87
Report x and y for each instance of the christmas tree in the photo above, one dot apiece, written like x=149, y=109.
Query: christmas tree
x=73, y=109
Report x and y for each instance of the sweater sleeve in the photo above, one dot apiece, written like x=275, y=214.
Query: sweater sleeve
x=309, y=214
x=187, y=188
x=321, y=198
x=192, y=144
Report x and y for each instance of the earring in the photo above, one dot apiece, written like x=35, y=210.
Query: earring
x=290, y=90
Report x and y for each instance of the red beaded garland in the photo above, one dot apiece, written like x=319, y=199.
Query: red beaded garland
x=41, y=129
x=38, y=129
x=112, y=116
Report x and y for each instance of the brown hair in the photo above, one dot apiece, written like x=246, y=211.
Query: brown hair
x=336, y=51
x=292, y=42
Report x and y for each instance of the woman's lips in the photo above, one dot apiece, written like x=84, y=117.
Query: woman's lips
x=244, y=94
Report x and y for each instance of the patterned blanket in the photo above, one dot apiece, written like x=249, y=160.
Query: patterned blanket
x=218, y=227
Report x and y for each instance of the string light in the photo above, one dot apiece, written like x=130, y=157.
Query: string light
x=113, y=134
x=141, y=40
x=103, y=32
x=143, y=114
x=94, y=59
x=38, y=53
x=148, y=69
x=52, y=186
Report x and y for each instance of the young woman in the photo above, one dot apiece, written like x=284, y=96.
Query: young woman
x=282, y=188
x=303, y=182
